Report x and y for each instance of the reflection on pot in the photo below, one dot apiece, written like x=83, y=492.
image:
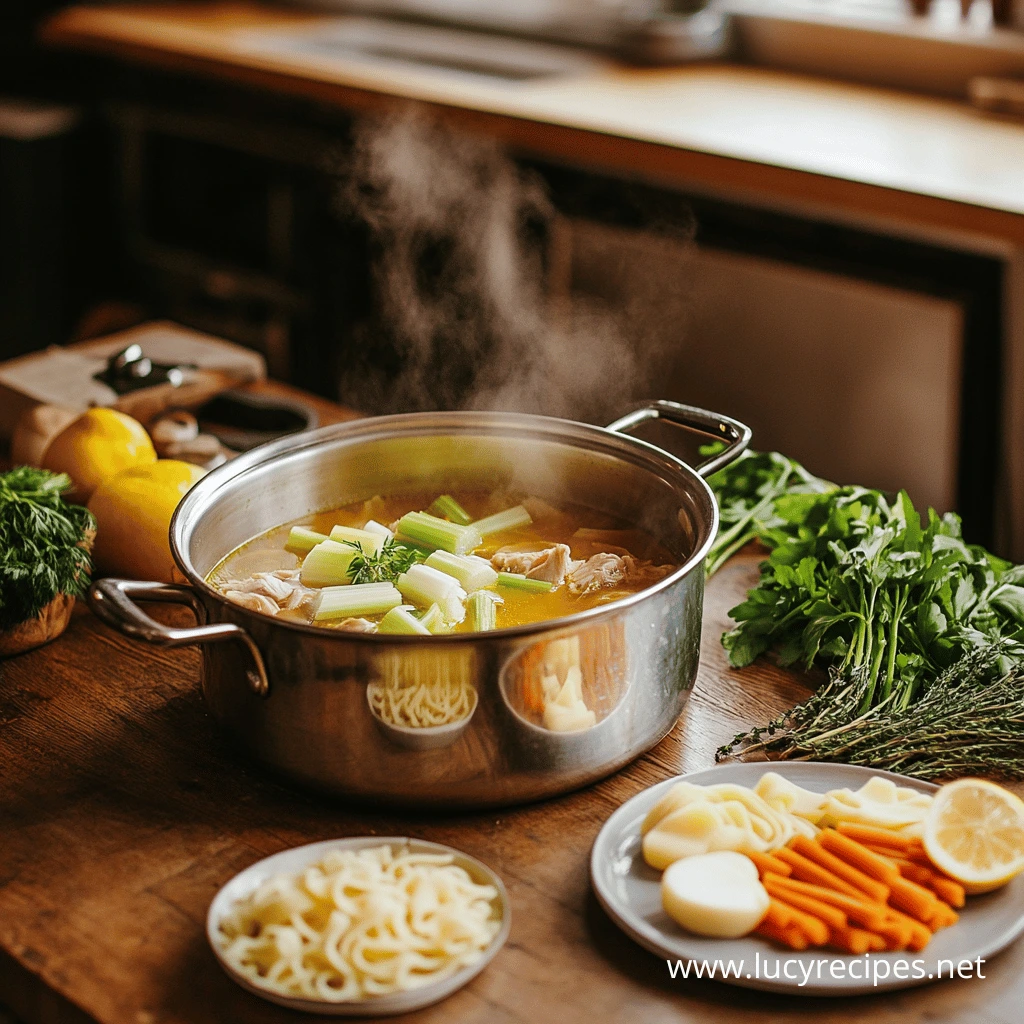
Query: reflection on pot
x=572, y=683
x=424, y=698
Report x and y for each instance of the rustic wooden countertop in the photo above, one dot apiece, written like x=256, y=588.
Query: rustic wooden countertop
x=751, y=134
x=123, y=810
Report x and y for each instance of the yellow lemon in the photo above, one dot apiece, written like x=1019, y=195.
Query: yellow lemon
x=975, y=833
x=95, y=446
x=133, y=512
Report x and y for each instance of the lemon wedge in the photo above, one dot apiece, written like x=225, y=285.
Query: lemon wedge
x=974, y=832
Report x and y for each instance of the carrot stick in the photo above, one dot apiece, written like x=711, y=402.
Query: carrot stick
x=792, y=937
x=872, y=888
x=948, y=891
x=913, y=899
x=878, y=836
x=855, y=940
x=780, y=915
x=920, y=935
x=897, y=934
x=832, y=916
x=769, y=865
x=813, y=927
x=857, y=909
x=859, y=856
x=942, y=918
x=808, y=871
x=913, y=856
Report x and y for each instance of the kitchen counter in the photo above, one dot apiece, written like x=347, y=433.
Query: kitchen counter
x=123, y=809
x=754, y=135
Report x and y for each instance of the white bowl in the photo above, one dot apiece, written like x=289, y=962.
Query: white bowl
x=293, y=861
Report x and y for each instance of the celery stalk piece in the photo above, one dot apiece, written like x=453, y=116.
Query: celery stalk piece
x=431, y=532
x=327, y=564
x=481, y=610
x=516, y=581
x=355, y=600
x=433, y=618
x=302, y=540
x=425, y=586
x=402, y=622
x=370, y=543
x=510, y=519
x=472, y=572
x=372, y=526
x=448, y=508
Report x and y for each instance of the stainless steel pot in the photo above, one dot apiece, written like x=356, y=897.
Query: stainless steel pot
x=301, y=698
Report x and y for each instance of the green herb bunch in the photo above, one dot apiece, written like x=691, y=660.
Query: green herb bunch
x=858, y=582
x=43, y=543
x=386, y=565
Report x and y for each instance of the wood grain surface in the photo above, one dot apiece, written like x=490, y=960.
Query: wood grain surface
x=752, y=134
x=122, y=810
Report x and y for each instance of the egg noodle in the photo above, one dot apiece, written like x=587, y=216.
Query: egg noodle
x=426, y=689
x=360, y=923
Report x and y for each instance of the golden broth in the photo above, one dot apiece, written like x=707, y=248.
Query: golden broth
x=601, y=532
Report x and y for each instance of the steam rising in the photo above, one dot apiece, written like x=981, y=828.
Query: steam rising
x=464, y=321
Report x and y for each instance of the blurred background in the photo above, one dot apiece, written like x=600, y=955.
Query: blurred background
x=803, y=213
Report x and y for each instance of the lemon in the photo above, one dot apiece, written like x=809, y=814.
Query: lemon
x=95, y=446
x=974, y=832
x=133, y=512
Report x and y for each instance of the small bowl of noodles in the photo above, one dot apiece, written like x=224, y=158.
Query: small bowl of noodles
x=366, y=926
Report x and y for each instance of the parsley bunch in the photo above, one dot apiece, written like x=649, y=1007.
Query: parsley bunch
x=43, y=549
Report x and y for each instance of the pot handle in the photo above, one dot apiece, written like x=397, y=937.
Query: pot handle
x=735, y=434
x=113, y=602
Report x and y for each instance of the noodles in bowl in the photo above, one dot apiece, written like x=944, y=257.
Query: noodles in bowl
x=358, y=920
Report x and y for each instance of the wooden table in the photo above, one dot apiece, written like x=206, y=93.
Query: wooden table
x=123, y=809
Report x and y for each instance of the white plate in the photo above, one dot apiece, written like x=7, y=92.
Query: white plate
x=293, y=861
x=630, y=892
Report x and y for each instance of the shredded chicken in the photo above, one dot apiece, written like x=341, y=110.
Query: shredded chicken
x=606, y=570
x=270, y=592
x=254, y=602
x=357, y=626
x=551, y=564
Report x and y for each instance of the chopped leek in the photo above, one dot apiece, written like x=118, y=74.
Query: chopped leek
x=401, y=621
x=433, y=618
x=425, y=586
x=472, y=572
x=355, y=600
x=302, y=539
x=428, y=530
x=370, y=543
x=372, y=526
x=510, y=519
x=516, y=581
x=327, y=564
x=448, y=508
x=481, y=610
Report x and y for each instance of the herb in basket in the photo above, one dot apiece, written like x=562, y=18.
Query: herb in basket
x=43, y=543
x=889, y=601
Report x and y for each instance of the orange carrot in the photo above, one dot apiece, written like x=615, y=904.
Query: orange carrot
x=911, y=856
x=913, y=899
x=808, y=871
x=920, y=935
x=855, y=940
x=897, y=934
x=832, y=916
x=857, y=909
x=947, y=890
x=942, y=918
x=866, y=834
x=813, y=927
x=769, y=865
x=872, y=888
x=792, y=937
x=780, y=915
x=859, y=856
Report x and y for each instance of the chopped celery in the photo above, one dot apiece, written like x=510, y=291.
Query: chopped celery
x=448, y=508
x=302, y=539
x=401, y=621
x=516, y=581
x=425, y=586
x=370, y=543
x=428, y=530
x=372, y=526
x=472, y=572
x=327, y=564
x=481, y=610
x=510, y=519
x=433, y=618
x=355, y=600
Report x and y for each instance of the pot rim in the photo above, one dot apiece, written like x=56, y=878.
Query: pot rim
x=644, y=453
